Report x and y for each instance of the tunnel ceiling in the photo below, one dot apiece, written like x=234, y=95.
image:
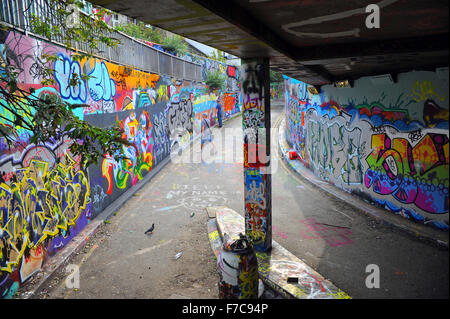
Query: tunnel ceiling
x=315, y=41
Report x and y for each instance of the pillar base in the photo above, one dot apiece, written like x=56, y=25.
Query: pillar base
x=276, y=266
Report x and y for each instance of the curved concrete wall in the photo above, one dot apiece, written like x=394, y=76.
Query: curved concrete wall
x=385, y=142
x=45, y=198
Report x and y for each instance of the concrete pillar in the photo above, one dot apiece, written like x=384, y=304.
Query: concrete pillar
x=255, y=82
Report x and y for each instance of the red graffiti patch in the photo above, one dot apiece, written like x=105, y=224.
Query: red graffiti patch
x=231, y=71
x=335, y=236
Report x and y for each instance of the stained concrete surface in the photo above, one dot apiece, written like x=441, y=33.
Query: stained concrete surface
x=329, y=235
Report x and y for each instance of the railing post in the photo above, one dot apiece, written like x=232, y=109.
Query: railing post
x=157, y=55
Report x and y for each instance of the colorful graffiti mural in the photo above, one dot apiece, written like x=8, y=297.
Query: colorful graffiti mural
x=42, y=207
x=390, y=143
x=276, y=90
x=231, y=93
x=138, y=156
x=416, y=174
x=37, y=204
x=45, y=198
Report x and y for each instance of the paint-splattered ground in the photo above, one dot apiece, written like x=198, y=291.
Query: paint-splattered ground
x=331, y=236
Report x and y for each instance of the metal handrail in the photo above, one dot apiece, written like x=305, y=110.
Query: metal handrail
x=17, y=14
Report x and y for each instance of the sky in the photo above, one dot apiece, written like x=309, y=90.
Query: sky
x=204, y=48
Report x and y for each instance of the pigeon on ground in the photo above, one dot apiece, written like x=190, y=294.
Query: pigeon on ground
x=150, y=230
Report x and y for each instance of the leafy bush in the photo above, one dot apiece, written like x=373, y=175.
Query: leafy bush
x=141, y=31
x=175, y=44
x=275, y=76
x=215, y=80
x=218, y=56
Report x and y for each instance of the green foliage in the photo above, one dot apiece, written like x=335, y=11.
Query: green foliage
x=275, y=76
x=49, y=118
x=218, y=56
x=175, y=44
x=141, y=31
x=215, y=80
x=145, y=32
x=89, y=29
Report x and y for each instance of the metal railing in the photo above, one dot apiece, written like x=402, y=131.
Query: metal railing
x=131, y=52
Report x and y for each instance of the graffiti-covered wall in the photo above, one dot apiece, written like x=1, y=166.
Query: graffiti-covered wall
x=388, y=143
x=277, y=90
x=45, y=198
x=231, y=93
